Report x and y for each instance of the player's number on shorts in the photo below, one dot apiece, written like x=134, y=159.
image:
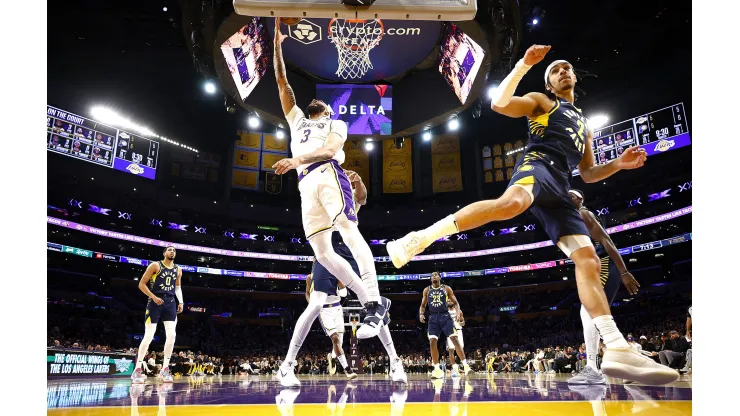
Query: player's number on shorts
x=578, y=137
x=306, y=133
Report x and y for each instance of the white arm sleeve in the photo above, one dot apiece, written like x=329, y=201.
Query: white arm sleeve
x=506, y=89
x=342, y=292
x=178, y=293
x=339, y=127
x=294, y=115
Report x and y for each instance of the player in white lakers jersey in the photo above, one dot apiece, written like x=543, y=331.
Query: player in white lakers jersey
x=458, y=323
x=326, y=198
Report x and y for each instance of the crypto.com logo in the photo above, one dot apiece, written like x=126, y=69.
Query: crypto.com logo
x=305, y=32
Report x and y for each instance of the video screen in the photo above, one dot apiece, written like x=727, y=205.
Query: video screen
x=459, y=60
x=367, y=109
x=247, y=54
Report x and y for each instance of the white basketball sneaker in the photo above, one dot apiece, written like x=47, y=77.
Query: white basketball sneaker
x=166, y=375
x=138, y=376
x=397, y=371
x=401, y=251
x=286, y=374
x=629, y=364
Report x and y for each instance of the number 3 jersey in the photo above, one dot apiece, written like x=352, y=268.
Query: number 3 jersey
x=558, y=136
x=164, y=281
x=307, y=135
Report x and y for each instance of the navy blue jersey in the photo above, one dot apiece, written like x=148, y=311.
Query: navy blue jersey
x=164, y=281
x=437, y=299
x=559, y=136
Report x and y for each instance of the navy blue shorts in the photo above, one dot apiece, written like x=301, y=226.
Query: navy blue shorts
x=440, y=323
x=611, y=279
x=323, y=280
x=552, y=204
x=164, y=312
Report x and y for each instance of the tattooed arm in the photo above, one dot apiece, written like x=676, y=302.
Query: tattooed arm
x=287, y=97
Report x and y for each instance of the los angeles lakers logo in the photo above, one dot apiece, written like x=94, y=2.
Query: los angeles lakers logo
x=398, y=184
x=446, y=163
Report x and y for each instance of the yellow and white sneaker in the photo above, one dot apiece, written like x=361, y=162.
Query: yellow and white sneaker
x=401, y=251
x=438, y=373
x=466, y=368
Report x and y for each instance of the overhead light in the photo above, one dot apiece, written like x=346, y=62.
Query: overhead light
x=279, y=134
x=164, y=9
x=426, y=136
x=493, y=90
x=535, y=21
x=369, y=146
x=565, y=278
x=517, y=150
x=108, y=116
x=210, y=87
x=253, y=121
x=598, y=121
x=453, y=124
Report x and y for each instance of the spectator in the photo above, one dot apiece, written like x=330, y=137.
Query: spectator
x=674, y=351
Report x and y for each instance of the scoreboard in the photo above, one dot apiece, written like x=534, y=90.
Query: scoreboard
x=84, y=139
x=656, y=132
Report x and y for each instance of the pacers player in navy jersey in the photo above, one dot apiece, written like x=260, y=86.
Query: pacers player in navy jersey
x=559, y=142
x=440, y=322
x=161, y=284
x=613, y=271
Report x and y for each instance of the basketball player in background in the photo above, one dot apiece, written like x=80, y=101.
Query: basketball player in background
x=326, y=196
x=324, y=301
x=437, y=297
x=161, y=284
x=559, y=142
x=613, y=271
x=331, y=315
x=459, y=323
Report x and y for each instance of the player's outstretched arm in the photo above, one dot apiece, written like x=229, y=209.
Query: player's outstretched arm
x=178, y=291
x=532, y=104
x=144, y=281
x=599, y=234
x=423, y=306
x=632, y=158
x=287, y=97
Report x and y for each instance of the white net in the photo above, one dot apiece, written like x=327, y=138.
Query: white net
x=354, y=39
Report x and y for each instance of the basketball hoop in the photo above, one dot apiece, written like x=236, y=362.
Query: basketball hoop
x=354, y=39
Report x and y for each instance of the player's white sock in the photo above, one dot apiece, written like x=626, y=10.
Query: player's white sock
x=343, y=361
x=387, y=340
x=609, y=332
x=591, y=338
x=304, y=323
x=442, y=228
x=337, y=266
x=169, y=343
x=333, y=354
x=363, y=256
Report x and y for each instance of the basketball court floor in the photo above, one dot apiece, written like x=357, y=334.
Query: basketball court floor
x=479, y=394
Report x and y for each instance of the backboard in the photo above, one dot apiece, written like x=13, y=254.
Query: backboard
x=440, y=10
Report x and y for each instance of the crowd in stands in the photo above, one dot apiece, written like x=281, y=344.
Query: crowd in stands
x=550, y=343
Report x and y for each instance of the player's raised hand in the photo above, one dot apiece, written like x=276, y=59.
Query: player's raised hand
x=535, y=54
x=632, y=158
x=279, y=36
x=283, y=166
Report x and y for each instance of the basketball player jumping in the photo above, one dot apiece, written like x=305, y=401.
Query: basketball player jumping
x=452, y=309
x=559, y=141
x=161, y=284
x=437, y=296
x=613, y=270
x=326, y=195
x=322, y=294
